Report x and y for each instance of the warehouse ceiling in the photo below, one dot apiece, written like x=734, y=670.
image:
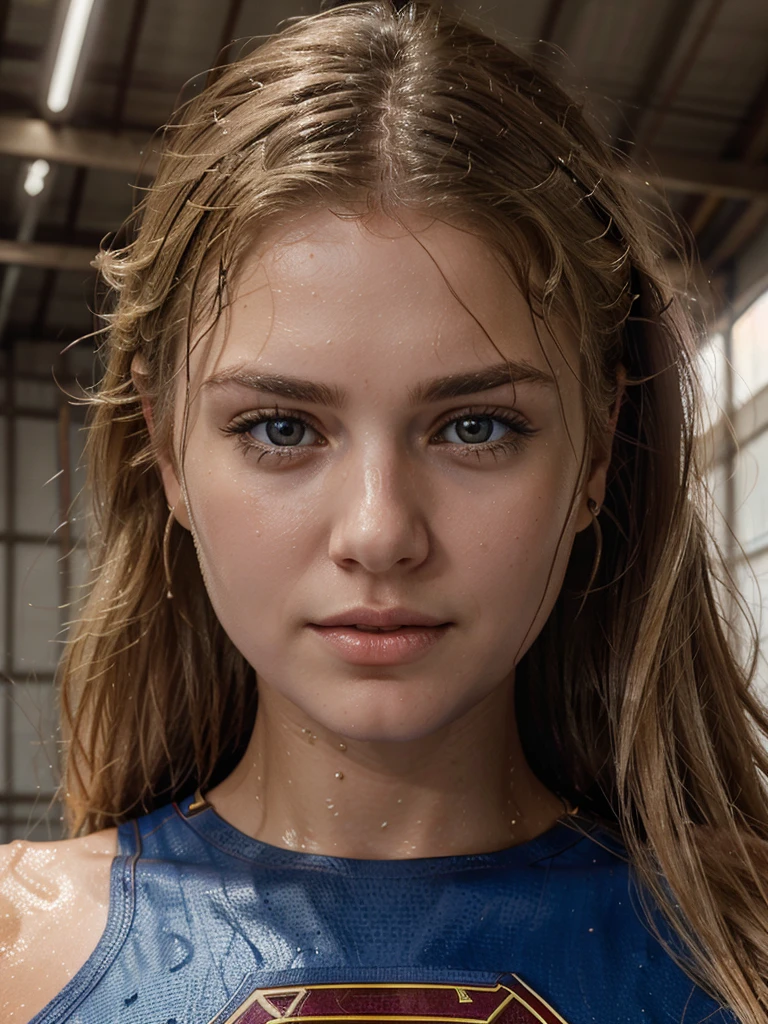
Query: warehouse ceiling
x=681, y=85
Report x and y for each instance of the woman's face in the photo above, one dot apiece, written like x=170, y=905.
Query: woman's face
x=352, y=444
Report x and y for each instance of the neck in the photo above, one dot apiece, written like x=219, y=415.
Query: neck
x=466, y=789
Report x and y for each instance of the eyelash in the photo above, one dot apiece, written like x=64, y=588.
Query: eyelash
x=240, y=426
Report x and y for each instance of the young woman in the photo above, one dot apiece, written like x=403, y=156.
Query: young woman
x=401, y=692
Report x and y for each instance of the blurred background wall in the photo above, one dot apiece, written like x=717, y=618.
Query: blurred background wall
x=681, y=86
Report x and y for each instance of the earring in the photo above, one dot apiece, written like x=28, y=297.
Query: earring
x=568, y=807
x=166, y=554
x=594, y=508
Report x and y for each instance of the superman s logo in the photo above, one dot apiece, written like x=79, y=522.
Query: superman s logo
x=510, y=1002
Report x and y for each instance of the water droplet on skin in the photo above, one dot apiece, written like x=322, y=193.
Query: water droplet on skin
x=342, y=746
x=384, y=824
x=339, y=775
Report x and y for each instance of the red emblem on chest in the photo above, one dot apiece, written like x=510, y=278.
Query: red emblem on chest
x=509, y=1003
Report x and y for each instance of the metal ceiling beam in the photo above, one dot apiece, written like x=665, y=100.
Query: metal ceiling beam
x=5, y=10
x=748, y=144
x=738, y=235
x=130, y=51
x=551, y=18
x=227, y=33
x=646, y=130
x=40, y=254
x=729, y=179
x=662, y=54
x=32, y=139
x=558, y=29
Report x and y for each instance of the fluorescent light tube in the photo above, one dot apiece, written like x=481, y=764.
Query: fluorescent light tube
x=68, y=54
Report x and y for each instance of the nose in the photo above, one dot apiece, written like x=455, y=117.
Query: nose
x=380, y=521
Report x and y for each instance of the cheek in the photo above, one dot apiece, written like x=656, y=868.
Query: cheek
x=520, y=520
x=249, y=533
x=510, y=553
x=260, y=545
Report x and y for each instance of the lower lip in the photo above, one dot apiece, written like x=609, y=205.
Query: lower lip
x=396, y=647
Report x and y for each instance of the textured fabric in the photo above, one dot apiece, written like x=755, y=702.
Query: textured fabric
x=208, y=926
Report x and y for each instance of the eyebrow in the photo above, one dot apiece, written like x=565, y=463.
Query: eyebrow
x=437, y=389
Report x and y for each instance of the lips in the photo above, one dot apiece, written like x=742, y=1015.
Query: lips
x=376, y=629
x=392, y=646
x=381, y=619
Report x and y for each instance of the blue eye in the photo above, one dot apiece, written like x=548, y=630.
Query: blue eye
x=475, y=431
x=283, y=431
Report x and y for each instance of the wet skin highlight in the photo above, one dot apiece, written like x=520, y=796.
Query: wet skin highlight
x=352, y=441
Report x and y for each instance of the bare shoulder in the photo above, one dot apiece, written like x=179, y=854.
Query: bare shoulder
x=54, y=900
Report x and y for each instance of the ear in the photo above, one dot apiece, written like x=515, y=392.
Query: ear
x=166, y=464
x=601, y=458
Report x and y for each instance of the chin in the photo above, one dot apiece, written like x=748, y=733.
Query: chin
x=394, y=719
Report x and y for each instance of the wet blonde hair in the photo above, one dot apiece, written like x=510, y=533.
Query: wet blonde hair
x=634, y=706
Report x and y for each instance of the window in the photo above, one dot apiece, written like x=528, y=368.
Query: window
x=42, y=558
x=738, y=457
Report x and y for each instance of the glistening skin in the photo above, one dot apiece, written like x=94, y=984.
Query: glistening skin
x=378, y=487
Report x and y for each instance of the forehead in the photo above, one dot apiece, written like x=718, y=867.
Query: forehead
x=329, y=293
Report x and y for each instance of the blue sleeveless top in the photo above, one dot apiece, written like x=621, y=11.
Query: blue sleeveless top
x=209, y=926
